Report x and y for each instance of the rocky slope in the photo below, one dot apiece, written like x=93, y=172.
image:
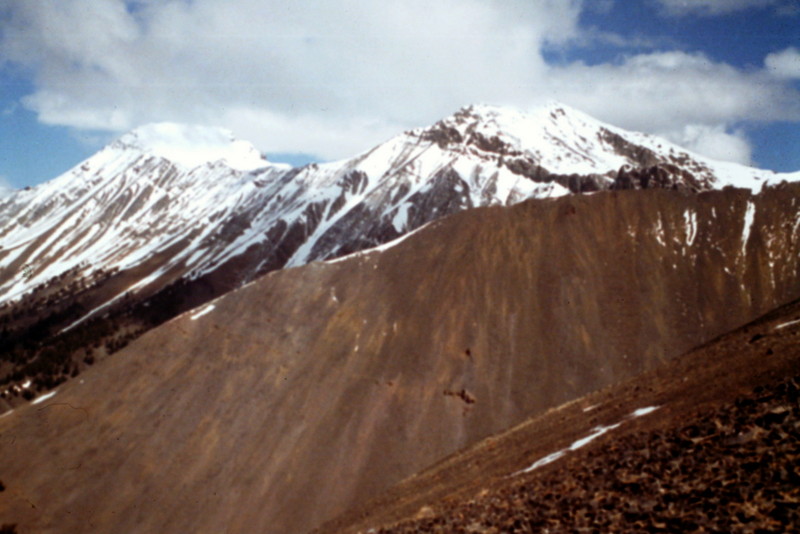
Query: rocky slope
x=284, y=403
x=709, y=442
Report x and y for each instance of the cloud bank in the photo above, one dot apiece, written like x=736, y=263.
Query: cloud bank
x=332, y=79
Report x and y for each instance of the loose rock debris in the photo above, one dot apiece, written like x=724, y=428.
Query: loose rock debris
x=732, y=469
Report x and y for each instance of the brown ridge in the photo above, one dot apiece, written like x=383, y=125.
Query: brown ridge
x=315, y=388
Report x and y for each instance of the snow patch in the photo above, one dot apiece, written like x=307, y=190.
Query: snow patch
x=550, y=458
x=379, y=248
x=644, y=411
x=786, y=325
x=690, y=219
x=577, y=444
x=596, y=433
x=400, y=218
x=749, y=217
x=659, y=233
x=44, y=397
x=94, y=311
x=395, y=242
x=202, y=312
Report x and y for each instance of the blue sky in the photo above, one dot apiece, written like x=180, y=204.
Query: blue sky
x=314, y=79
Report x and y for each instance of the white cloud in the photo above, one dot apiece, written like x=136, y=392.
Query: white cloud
x=714, y=142
x=712, y=7
x=100, y=66
x=687, y=98
x=663, y=91
x=784, y=64
x=326, y=136
x=334, y=78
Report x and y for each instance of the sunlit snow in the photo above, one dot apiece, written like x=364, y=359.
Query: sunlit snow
x=644, y=411
x=192, y=146
x=577, y=444
x=786, y=325
x=44, y=397
x=163, y=187
x=749, y=217
x=690, y=220
x=379, y=248
x=207, y=309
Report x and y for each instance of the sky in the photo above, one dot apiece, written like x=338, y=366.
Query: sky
x=318, y=80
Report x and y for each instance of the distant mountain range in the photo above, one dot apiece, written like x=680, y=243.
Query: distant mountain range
x=199, y=200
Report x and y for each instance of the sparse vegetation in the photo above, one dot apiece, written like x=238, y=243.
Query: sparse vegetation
x=40, y=347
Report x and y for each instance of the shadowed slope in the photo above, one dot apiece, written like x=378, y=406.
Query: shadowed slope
x=313, y=388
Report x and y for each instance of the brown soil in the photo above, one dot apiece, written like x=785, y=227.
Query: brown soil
x=720, y=454
x=314, y=389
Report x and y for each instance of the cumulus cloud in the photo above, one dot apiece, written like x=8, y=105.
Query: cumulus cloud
x=334, y=78
x=102, y=65
x=687, y=98
x=660, y=90
x=784, y=64
x=714, y=142
x=714, y=7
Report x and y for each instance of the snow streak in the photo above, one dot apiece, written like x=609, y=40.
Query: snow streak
x=577, y=444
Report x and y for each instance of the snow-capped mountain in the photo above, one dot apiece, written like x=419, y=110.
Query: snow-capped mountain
x=194, y=212
x=5, y=191
x=198, y=197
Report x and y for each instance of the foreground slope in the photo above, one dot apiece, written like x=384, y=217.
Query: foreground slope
x=283, y=403
x=707, y=442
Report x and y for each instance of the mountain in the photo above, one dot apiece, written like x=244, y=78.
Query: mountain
x=284, y=403
x=171, y=216
x=707, y=442
x=200, y=197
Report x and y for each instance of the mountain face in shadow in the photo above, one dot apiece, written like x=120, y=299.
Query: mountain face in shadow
x=283, y=403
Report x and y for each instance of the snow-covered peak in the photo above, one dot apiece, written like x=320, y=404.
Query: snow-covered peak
x=519, y=123
x=564, y=140
x=192, y=146
x=554, y=137
x=5, y=191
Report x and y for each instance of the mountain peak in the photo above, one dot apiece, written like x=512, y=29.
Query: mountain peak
x=192, y=145
x=552, y=108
